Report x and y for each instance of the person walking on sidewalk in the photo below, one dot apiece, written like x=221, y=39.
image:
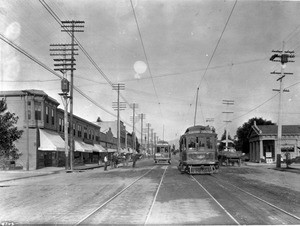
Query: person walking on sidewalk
x=105, y=162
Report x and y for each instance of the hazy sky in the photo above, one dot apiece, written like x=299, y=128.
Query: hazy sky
x=181, y=40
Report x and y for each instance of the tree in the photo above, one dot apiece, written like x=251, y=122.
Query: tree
x=8, y=134
x=242, y=141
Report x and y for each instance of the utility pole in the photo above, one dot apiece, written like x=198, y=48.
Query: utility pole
x=284, y=58
x=133, y=106
x=151, y=142
x=118, y=106
x=64, y=64
x=27, y=132
x=71, y=27
x=227, y=102
x=148, y=131
x=154, y=143
x=142, y=117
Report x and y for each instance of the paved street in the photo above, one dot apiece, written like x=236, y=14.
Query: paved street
x=151, y=194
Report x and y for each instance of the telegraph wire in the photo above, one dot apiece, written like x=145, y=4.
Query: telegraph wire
x=198, y=70
x=15, y=46
x=54, y=15
x=233, y=119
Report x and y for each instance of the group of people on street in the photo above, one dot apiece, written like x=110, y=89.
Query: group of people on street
x=120, y=158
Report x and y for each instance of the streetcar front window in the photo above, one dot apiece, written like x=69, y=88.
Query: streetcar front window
x=208, y=143
x=202, y=156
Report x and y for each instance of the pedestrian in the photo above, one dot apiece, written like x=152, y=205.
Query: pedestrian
x=105, y=162
x=135, y=158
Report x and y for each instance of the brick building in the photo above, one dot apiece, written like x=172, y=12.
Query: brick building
x=42, y=143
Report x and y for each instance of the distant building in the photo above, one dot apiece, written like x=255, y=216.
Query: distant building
x=263, y=142
x=126, y=139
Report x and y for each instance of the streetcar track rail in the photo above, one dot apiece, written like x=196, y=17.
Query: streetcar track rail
x=260, y=199
x=154, y=199
x=214, y=199
x=244, y=191
x=120, y=193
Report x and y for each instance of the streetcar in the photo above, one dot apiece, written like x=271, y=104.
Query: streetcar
x=198, y=151
x=162, y=152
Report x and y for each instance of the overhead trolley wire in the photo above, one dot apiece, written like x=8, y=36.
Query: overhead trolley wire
x=145, y=54
x=219, y=40
x=215, y=49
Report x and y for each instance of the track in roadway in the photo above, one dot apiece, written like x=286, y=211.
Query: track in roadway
x=244, y=206
x=181, y=201
x=131, y=205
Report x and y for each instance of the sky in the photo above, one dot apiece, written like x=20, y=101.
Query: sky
x=222, y=47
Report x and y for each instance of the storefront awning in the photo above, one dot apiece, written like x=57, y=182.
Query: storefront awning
x=111, y=150
x=50, y=141
x=83, y=147
x=99, y=148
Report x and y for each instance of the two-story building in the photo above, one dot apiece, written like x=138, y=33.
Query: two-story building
x=42, y=143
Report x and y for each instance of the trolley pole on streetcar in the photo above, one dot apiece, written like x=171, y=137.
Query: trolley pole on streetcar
x=283, y=56
x=196, y=106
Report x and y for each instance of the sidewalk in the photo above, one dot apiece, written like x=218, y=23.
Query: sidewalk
x=9, y=175
x=294, y=167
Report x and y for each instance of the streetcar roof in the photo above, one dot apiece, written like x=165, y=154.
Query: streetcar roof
x=199, y=129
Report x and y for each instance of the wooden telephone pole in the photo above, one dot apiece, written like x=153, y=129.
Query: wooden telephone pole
x=66, y=63
x=283, y=56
